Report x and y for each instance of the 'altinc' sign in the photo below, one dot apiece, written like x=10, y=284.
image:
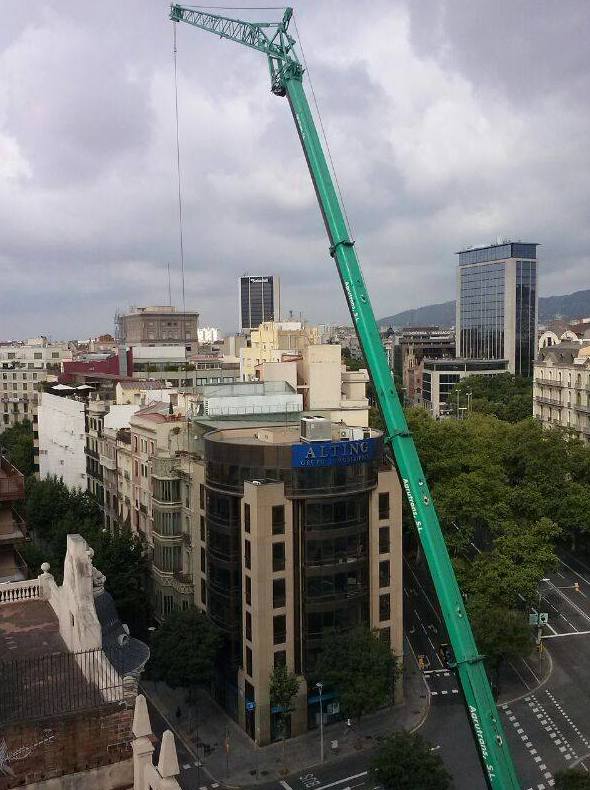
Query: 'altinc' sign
x=333, y=453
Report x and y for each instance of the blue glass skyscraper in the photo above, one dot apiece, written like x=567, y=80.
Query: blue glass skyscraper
x=497, y=304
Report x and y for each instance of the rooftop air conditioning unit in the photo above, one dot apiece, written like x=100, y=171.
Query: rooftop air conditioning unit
x=316, y=429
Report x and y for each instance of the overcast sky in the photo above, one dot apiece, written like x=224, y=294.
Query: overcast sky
x=450, y=123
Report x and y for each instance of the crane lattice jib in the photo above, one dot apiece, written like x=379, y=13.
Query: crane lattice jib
x=286, y=79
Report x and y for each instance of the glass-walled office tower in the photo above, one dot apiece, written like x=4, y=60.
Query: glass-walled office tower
x=259, y=300
x=497, y=304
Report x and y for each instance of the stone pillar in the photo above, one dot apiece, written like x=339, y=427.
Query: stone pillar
x=142, y=745
x=45, y=579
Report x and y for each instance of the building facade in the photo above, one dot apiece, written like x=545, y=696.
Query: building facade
x=439, y=376
x=260, y=300
x=61, y=428
x=281, y=540
x=497, y=302
x=561, y=389
x=23, y=368
x=303, y=538
x=158, y=324
x=13, y=531
x=270, y=341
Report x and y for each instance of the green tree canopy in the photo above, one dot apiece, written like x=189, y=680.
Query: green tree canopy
x=184, y=649
x=505, y=396
x=18, y=442
x=359, y=667
x=284, y=685
x=405, y=761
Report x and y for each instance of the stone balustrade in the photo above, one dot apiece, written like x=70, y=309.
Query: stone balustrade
x=15, y=592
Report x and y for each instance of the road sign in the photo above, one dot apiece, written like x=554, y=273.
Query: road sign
x=543, y=618
x=534, y=619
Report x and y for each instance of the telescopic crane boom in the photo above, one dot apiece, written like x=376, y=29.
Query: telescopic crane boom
x=286, y=73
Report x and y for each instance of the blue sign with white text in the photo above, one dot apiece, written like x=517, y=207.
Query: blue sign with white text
x=333, y=453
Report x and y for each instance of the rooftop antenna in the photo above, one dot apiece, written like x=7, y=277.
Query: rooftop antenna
x=169, y=288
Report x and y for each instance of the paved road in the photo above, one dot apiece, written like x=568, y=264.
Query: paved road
x=547, y=728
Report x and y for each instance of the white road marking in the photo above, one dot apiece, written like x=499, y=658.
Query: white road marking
x=564, y=633
x=332, y=784
x=579, y=575
x=283, y=784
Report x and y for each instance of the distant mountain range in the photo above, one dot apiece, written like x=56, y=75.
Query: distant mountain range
x=576, y=305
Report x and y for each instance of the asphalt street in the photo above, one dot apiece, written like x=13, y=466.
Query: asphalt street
x=548, y=728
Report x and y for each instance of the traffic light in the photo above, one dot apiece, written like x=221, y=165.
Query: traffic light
x=577, y=586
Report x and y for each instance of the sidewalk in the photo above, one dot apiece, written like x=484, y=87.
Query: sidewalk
x=247, y=764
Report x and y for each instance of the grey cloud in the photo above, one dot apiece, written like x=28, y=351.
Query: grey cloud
x=448, y=122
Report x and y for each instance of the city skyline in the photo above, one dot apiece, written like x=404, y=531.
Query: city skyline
x=89, y=196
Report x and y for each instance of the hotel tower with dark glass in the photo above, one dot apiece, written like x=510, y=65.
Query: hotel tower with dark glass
x=303, y=538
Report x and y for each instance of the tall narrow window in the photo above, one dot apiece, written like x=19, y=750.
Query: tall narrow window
x=278, y=519
x=278, y=556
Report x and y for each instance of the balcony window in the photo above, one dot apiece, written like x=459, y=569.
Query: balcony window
x=247, y=517
x=167, y=523
x=248, y=626
x=248, y=590
x=384, y=575
x=164, y=490
x=247, y=554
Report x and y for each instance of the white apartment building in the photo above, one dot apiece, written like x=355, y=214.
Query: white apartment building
x=561, y=390
x=62, y=437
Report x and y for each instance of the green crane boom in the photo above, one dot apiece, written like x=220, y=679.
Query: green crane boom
x=286, y=75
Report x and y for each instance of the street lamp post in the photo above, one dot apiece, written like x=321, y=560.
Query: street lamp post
x=539, y=626
x=320, y=688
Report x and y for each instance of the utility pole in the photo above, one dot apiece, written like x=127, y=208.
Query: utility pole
x=320, y=688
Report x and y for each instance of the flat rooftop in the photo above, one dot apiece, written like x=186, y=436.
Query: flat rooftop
x=29, y=628
x=40, y=678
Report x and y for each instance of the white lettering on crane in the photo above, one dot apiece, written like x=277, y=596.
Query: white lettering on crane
x=351, y=300
x=481, y=740
x=412, y=502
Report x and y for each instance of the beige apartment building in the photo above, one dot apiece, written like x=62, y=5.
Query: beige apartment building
x=23, y=368
x=328, y=388
x=271, y=341
x=561, y=391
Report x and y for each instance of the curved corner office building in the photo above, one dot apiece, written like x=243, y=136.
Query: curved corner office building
x=303, y=534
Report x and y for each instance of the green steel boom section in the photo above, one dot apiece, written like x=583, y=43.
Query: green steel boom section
x=286, y=79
